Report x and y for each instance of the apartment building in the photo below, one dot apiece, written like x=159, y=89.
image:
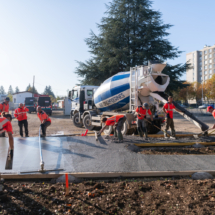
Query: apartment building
x=203, y=63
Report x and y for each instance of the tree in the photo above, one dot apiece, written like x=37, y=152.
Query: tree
x=2, y=91
x=131, y=34
x=31, y=89
x=17, y=90
x=10, y=90
x=48, y=91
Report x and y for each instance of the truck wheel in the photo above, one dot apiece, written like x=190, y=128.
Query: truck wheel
x=125, y=128
x=88, y=122
x=108, y=130
x=76, y=122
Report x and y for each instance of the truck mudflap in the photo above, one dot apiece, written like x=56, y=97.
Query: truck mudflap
x=161, y=96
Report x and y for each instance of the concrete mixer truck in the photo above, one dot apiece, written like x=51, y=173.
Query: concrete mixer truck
x=121, y=94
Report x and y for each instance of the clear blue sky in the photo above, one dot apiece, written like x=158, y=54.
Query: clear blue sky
x=45, y=37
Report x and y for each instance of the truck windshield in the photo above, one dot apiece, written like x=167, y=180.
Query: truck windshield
x=89, y=92
x=44, y=101
x=75, y=94
x=29, y=101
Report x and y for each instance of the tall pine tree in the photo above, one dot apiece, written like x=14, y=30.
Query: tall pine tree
x=10, y=90
x=131, y=34
x=16, y=89
x=48, y=91
x=2, y=91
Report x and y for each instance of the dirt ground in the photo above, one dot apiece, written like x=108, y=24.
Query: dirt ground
x=155, y=196
x=61, y=123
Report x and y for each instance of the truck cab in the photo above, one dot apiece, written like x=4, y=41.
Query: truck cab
x=81, y=99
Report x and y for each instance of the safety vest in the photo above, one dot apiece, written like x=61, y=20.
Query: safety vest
x=4, y=107
x=169, y=109
x=42, y=116
x=112, y=120
x=21, y=113
x=3, y=120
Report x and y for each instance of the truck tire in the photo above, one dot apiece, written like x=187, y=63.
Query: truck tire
x=76, y=122
x=88, y=122
x=108, y=130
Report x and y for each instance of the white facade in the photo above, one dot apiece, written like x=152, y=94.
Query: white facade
x=20, y=97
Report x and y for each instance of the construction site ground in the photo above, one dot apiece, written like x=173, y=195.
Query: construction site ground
x=133, y=180
x=123, y=196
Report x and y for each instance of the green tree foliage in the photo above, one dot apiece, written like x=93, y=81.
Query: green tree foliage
x=131, y=34
x=10, y=90
x=31, y=89
x=10, y=96
x=16, y=89
x=48, y=91
x=2, y=91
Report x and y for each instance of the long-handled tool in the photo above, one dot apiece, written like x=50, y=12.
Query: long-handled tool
x=157, y=127
x=96, y=135
x=9, y=160
x=197, y=135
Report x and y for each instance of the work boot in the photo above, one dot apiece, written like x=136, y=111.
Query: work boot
x=140, y=133
x=165, y=133
x=120, y=137
x=145, y=135
x=173, y=133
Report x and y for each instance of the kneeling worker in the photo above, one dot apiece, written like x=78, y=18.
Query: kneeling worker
x=5, y=125
x=21, y=115
x=116, y=121
x=141, y=122
x=44, y=119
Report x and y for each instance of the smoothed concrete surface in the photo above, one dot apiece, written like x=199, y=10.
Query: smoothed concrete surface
x=83, y=154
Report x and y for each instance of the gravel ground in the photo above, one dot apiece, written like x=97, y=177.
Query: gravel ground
x=157, y=196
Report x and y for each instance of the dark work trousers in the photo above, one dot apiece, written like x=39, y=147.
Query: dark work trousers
x=2, y=134
x=141, y=126
x=44, y=127
x=169, y=123
x=21, y=123
x=120, y=126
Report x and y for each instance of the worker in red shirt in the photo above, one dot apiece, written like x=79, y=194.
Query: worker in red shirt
x=44, y=119
x=212, y=111
x=141, y=122
x=5, y=125
x=21, y=115
x=4, y=106
x=168, y=110
x=116, y=121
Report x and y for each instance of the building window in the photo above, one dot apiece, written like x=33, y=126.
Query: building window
x=201, y=78
x=210, y=50
x=210, y=55
x=205, y=72
x=210, y=61
x=210, y=66
x=205, y=77
x=210, y=71
x=206, y=57
x=200, y=63
x=205, y=67
x=201, y=67
x=205, y=52
x=205, y=62
x=210, y=76
x=200, y=53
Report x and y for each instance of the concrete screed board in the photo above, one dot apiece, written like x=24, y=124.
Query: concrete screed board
x=83, y=154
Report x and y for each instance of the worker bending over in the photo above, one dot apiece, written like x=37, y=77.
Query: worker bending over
x=5, y=125
x=168, y=110
x=21, y=115
x=116, y=121
x=4, y=107
x=44, y=119
x=141, y=119
x=212, y=111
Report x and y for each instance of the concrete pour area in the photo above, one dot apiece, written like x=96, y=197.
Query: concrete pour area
x=84, y=156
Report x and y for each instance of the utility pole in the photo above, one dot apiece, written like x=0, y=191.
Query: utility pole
x=202, y=92
x=33, y=87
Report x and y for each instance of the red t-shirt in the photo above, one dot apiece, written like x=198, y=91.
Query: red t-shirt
x=213, y=114
x=169, y=109
x=7, y=126
x=143, y=112
x=112, y=120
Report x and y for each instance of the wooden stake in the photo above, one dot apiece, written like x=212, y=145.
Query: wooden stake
x=67, y=184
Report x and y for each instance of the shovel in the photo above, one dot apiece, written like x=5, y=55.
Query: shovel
x=197, y=135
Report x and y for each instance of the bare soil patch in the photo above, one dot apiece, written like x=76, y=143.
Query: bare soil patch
x=183, y=196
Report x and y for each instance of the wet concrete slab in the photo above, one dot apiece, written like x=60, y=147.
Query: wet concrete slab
x=84, y=154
